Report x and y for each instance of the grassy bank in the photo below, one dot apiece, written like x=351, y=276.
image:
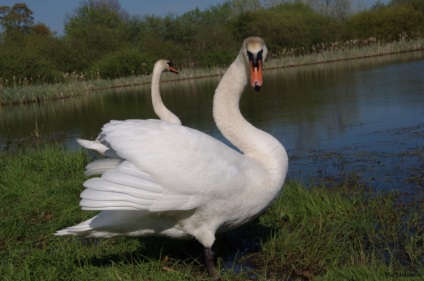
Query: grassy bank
x=79, y=86
x=337, y=232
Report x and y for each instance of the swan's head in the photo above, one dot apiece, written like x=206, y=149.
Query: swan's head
x=255, y=53
x=165, y=65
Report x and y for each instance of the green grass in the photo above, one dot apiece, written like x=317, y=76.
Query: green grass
x=338, y=232
x=322, y=231
x=353, y=49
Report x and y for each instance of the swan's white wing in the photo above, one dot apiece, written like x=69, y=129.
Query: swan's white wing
x=167, y=167
x=177, y=156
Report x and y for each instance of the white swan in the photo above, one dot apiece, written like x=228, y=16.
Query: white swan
x=162, y=65
x=160, y=109
x=181, y=183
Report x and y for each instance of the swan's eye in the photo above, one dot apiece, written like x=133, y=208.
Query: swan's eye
x=250, y=56
x=259, y=56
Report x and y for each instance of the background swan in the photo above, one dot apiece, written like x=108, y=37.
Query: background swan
x=158, y=106
x=162, y=65
x=181, y=183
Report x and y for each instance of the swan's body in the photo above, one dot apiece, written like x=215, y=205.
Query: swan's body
x=159, y=107
x=181, y=183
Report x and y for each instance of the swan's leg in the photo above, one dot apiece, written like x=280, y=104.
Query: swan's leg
x=210, y=264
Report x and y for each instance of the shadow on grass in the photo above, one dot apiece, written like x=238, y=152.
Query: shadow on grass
x=230, y=248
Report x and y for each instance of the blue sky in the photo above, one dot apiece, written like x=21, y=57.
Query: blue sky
x=53, y=12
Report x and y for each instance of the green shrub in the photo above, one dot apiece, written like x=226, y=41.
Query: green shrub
x=23, y=66
x=386, y=23
x=123, y=63
x=286, y=26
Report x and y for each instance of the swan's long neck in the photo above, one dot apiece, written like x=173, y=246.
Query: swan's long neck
x=160, y=109
x=254, y=143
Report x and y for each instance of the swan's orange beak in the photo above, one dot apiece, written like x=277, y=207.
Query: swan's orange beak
x=173, y=70
x=256, y=75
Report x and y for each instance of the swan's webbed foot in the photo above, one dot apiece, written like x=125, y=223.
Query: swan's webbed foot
x=210, y=264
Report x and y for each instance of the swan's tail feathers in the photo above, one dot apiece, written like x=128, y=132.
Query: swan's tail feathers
x=108, y=224
x=82, y=229
x=98, y=167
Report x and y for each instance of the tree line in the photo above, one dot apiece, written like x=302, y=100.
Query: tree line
x=102, y=41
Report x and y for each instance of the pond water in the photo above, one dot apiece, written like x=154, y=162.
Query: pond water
x=361, y=117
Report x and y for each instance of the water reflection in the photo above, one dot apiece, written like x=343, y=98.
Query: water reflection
x=333, y=105
x=323, y=114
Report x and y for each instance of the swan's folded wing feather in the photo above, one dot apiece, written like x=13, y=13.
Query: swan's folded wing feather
x=136, y=191
x=127, y=188
x=140, y=182
x=100, y=166
x=106, y=200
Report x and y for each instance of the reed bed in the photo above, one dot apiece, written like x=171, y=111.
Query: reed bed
x=353, y=49
x=337, y=231
x=78, y=84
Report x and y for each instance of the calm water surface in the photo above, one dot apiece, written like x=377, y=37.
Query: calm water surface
x=363, y=117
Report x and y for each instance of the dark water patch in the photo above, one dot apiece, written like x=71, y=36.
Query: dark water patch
x=393, y=160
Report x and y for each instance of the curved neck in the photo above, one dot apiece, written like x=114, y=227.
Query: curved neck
x=253, y=142
x=160, y=109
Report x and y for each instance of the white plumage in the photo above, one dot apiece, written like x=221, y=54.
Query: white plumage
x=179, y=182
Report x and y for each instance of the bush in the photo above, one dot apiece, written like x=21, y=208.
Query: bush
x=286, y=26
x=215, y=58
x=387, y=23
x=22, y=66
x=123, y=63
